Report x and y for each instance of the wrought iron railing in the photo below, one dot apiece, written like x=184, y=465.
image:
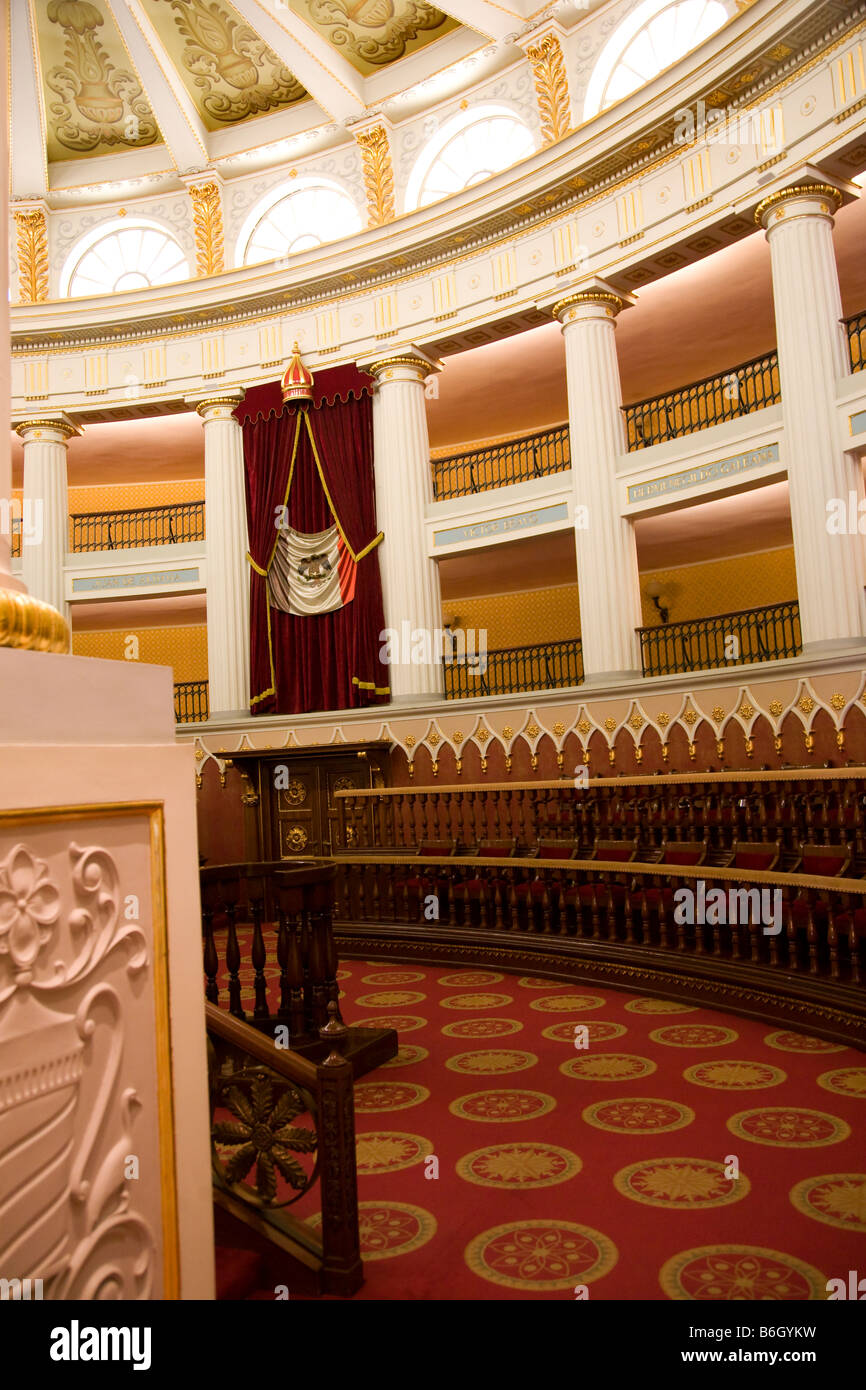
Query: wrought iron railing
x=738, y=391
x=728, y=639
x=190, y=701
x=544, y=666
x=125, y=530
x=513, y=461
x=855, y=327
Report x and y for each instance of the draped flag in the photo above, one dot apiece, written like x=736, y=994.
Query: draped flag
x=311, y=573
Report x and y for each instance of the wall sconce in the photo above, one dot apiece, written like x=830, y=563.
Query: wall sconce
x=654, y=592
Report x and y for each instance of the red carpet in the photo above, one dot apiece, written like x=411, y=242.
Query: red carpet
x=603, y=1166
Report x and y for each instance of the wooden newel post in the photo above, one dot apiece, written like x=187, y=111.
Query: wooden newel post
x=342, y=1270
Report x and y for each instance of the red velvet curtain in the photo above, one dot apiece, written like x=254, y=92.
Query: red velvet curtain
x=329, y=661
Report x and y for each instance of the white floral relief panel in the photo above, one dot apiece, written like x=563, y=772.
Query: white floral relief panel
x=86, y=1151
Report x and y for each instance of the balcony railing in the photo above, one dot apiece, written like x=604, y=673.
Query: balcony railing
x=514, y=461
x=190, y=701
x=728, y=639
x=855, y=328
x=125, y=530
x=739, y=391
x=544, y=666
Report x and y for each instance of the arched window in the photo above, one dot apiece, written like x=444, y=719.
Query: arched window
x=123, y=255
x=471, y=147
x=653, y=37
x=296, y=218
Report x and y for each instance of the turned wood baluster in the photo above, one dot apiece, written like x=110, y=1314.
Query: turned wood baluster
x=211, y=959
x=233, y=961
x=362, y=893
x=374, y=905
x=812, y=936
x=390, y=898
x=546, y=920
x=332, y=984
x=283, y=962
x=833, y=940
x=598, y=890
x=484, y=899
x=295, y=977
x=255, y=888
x=513, y=920
x=318, y=989
x=497, y=905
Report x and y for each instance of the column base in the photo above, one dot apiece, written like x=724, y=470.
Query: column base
x=31, y=625
x=845, y=646
x=597, y=678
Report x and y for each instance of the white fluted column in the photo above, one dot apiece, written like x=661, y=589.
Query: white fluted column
x=410, y=579
x=812, y=358
x=607, y=573
x=228, y=571
x=45, y=508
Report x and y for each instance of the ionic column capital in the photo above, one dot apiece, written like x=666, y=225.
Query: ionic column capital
x=798, y=200
x=594, y=299
x=221, y=407
x=49, y=431
x=402, y=364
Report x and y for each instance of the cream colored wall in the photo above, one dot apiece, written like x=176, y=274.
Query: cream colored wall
x=691, y=591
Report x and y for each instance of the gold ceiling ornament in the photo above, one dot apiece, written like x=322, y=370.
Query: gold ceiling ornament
x=837, y=700
x=483, y=735
x=559, y=728
x=229, y=70
x=457, y=736
x=551, y=88
x=371, y=33
x=718, y=713
x=636, y=721
x=610, y=723
x=533, y=730
x=378, y=175
x=806, y=704
x=508, y=732
x=746, y=710
x=434, y=739
x=32, y=246
x=92, y=102
x=207, y=218
x=31, y=625
x=663, y=719
x=776, y=708
x=584, y=726
x=691, y=716
x=411, y=740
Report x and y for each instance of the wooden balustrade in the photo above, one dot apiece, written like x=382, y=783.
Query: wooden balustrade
x=796, y=807
x=247, y=1069
x=631, y=915
x=289, y=910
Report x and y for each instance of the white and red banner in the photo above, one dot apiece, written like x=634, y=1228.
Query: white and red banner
x=311, y=574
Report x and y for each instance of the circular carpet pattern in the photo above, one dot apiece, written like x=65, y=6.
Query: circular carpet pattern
x=846, y=1081
x=522, y=1166
x=390, y=999
x=659, y=1006
x=404, y=1023
x=608, y=1066
x=482, y=1028
x=684, y=1184
x=567, y=1003
x=373, y=1096
x=487, y=1063
x=788, y=1041
x=384, y=1151
x=407, y=1056
x=789, y=1128
x=597, y=1031
x=639, y=1115
x=740, y=1273
x=502, y=1106
x=693, y=1035
x=537, y=1255
x=475, y=1001
x=838, y=1199
x=391, y=978
x=734, y=1076
x=470, y=979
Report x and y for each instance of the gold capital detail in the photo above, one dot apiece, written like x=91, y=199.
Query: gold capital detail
x=32, y=239
x=378, y=175
x=551, y=88
x=799, y=190
x=30, y=624
x=207, y=216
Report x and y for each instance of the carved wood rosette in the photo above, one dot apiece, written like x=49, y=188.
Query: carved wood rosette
x=378, y=175
x=551, y=88
x=32, y=245
x=207, y=216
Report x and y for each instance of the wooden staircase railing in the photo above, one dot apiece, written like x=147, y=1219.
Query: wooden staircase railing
x=263, y=1090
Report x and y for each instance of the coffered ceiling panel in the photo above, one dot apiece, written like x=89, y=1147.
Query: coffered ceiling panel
x=372, y=33
x=93, y=97
x=227, y=68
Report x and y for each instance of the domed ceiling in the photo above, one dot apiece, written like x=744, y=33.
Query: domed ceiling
x=106, y=90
